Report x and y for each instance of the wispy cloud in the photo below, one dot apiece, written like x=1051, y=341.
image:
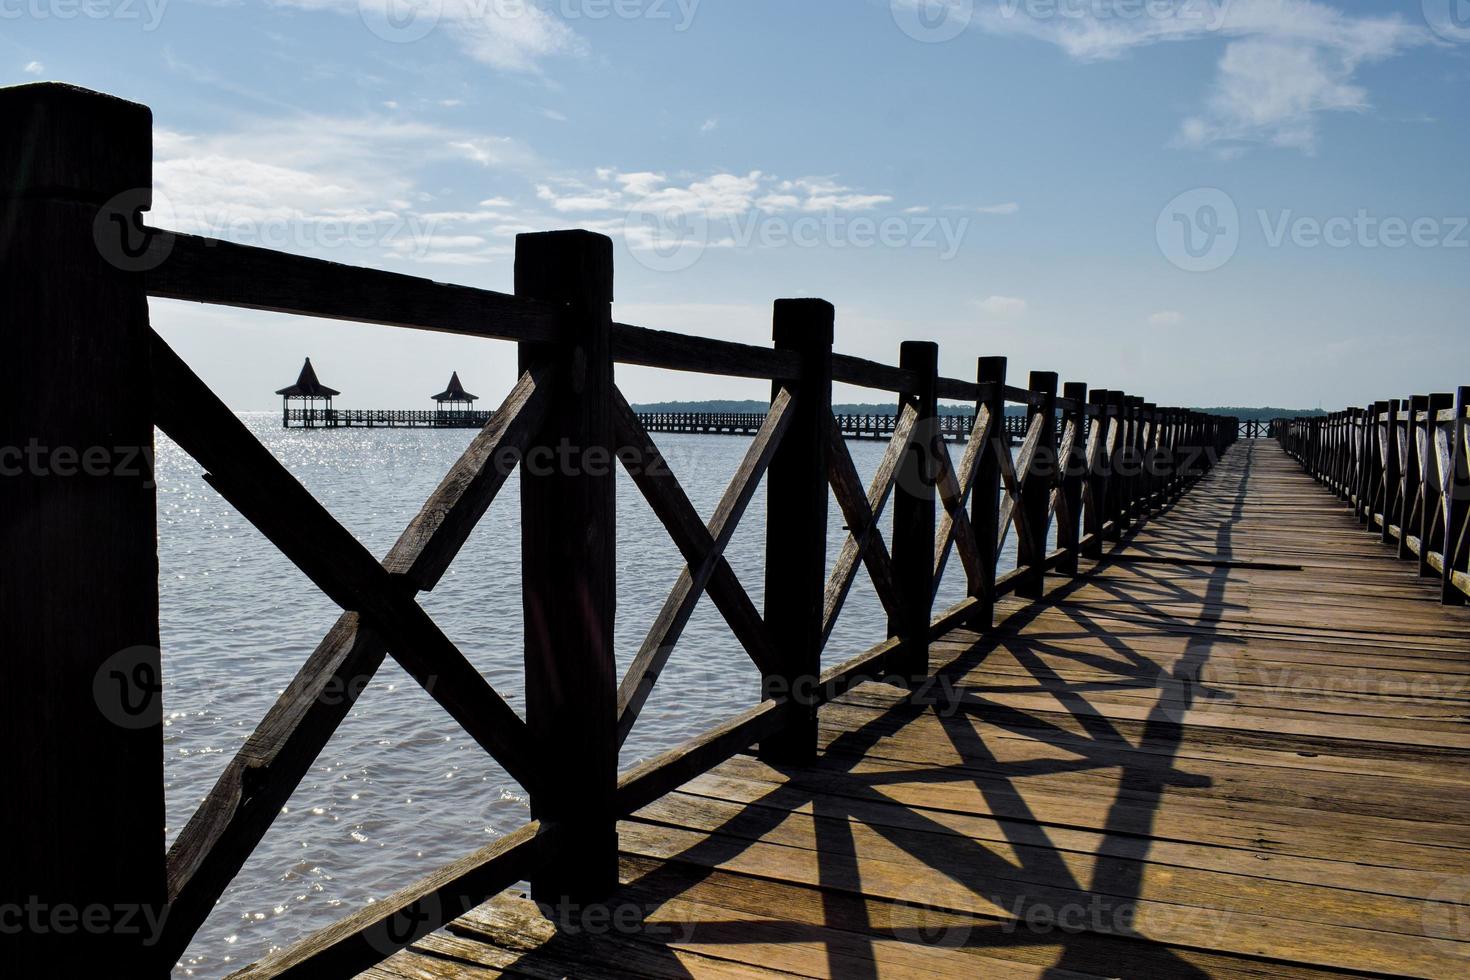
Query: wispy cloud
x=33, y=68
x=1003, y=306
x=1285, y=61
x=1166, y=318
x=314, y=182
x=716, y=195
x=1010, y=207
x=508, y=36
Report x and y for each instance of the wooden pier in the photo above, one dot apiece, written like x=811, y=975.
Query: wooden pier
x=383, y=418
x=1236, y=747
x=954, y=428
x=1213, y=723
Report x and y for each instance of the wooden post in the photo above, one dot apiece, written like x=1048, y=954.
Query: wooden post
x=1036, y=496
x=1429, y=482
x=796, y=528
x=913, y=513
x=569, y=568
x=1457, y=503
x=985, y=497
x=1072, y=471
x=83, y=716
x=1149, y=478
x=1117, y=508
x=1391, y=472
x=1133, y=485
x=1412, y=474
x=1096, y=512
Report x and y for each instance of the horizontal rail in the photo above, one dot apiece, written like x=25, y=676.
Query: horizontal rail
x=681, y=352
x=207, y=270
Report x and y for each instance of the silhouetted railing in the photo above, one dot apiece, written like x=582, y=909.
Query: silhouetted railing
x=956, y=428
x=379, y=418
x=82, y=589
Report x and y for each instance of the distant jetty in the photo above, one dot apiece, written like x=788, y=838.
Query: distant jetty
x=455, y=408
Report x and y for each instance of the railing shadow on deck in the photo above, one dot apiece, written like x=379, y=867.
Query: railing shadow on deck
x=81, y=267
x=1037, y=891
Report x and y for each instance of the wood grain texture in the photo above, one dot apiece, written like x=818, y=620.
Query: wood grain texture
x=1206, y=766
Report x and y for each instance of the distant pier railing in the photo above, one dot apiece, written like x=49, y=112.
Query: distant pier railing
x=955, y=428
x=379, y=418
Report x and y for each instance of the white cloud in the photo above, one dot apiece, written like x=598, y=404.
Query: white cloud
x=1166, y=318
x=710, y=125
x=509, y=36
x=1285, y=61
x=717, y=195
x=1010, y=207
x=314, y=183
x=33, y=68
x=1003, y=306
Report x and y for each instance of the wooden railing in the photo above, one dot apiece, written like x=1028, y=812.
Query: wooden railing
x=869, y=426
x=78, y=275
x=374, y=418
x=1401, y=465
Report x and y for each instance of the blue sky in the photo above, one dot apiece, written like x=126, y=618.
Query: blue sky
x=1201, y=201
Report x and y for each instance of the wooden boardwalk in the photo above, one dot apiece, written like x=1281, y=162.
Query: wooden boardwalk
x=1238, y=749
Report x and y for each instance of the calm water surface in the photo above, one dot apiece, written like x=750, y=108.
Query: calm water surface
x=400, y=789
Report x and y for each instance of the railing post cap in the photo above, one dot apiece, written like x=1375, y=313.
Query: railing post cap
x=547, y=263
x=73, y=143
x=803, y=323
x=920, y=355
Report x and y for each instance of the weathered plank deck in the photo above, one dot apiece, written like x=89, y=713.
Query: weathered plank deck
x=1238, y=749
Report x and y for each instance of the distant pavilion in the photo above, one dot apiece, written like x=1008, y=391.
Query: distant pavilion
x=309, y=390
x=455, y=398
